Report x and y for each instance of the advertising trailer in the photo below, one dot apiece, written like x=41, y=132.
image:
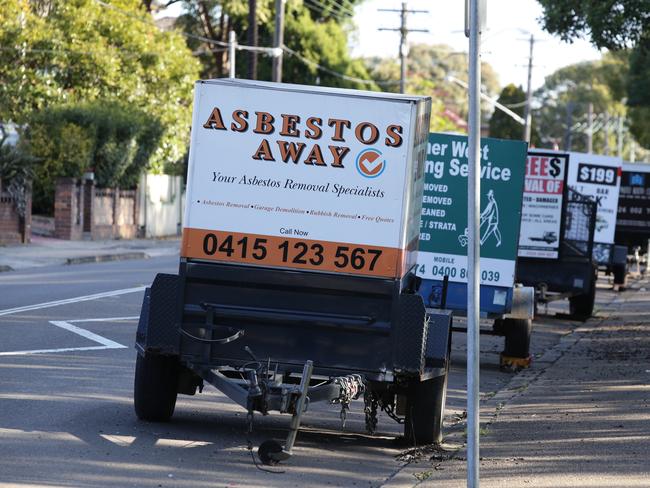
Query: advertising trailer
x=297, y=276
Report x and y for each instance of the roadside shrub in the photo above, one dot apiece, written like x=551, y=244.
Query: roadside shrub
x=16, y=172
x=113, y=140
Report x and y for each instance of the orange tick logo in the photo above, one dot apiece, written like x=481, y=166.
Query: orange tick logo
x=370, y=164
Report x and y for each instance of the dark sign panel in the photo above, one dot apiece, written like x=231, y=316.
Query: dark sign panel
x=634, y=200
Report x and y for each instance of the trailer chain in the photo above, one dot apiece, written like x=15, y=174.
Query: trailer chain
x=370, y=409
x=389, y=409
x=351, y=387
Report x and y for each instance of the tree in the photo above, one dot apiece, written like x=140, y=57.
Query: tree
x=618, y=25
x=16, y=173
x=611, y=24
x=69, y=51
x=318, y=35
x=113, y=140
x=427, y=70
x=503, y=125
x=566, y=94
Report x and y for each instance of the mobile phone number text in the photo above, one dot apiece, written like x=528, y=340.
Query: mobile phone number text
x=439, y=272
x=291, y=252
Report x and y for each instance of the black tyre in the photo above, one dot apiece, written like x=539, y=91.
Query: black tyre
x=154, y=391
x=619, y=274
x=581, y=307
x=425, y=408
x=517, y=333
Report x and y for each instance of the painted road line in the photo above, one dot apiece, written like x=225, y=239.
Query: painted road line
x=87, y=334
x=107, y=319
x=67, y=325
x=67, y=301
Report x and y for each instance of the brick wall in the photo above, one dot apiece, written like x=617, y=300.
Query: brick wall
x=68, y=209
x=11, y=225
x=84, y=211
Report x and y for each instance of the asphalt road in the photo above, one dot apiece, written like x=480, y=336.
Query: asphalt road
x=66, y=414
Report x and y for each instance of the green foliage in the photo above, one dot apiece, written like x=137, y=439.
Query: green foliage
x=319, y=35
x=115, y=141
x=639, y=122
x=569, y=90
x=638, y=86
x=16, y=172
x=615, y=25
x=501, y=124
x=427, y=70
x=76, y=51
x=611, y=24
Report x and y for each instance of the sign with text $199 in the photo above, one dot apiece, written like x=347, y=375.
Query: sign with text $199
x=443, y=226
x=305, y=177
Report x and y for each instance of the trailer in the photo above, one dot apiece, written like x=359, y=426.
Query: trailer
x=632, y=223
x=564, y=268
x=442, y=259
x=297, y=278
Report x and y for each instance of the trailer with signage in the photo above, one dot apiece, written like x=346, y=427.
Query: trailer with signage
x=442, y=256
x=557, y=235
x=297, y=274
x=632, y=219
x=633, y=215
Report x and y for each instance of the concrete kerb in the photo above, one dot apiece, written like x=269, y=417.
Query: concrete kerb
x=454, y=445
x=107, y=257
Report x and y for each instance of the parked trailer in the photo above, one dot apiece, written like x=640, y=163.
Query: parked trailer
x=297, y=274
x=443, y=238
x=564, y=268
x=632, y=223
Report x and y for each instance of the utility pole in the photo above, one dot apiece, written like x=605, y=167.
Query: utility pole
x=278, y=40
x=232, y=50
x=590, y=128
x=527, y=115
x=619, y=137
x=606, y=133
x=403, y=30
x=569, y=123
x=475, y=15
x=252, y=39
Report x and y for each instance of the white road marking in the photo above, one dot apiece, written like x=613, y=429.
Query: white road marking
x=109, y=344
x=67, y=301
x=67, y=325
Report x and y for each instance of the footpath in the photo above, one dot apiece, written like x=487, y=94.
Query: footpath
x=581, y=418
x=46, y=251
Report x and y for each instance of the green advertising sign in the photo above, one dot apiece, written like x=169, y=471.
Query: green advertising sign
x=443, y=225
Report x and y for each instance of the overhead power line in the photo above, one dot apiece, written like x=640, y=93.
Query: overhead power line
x=335, y=73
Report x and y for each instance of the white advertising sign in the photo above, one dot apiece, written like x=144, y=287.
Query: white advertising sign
x=600, y=178
x=290, y=176
x=541, y=213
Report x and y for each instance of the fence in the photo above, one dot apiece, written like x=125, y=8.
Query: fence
x=13, y=228
x=161, y=199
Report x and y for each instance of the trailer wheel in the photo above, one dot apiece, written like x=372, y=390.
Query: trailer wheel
x=154, y=391
x=582, y=306
x=425, y=408
x=516, y=352
x=517, y=334
x=620, y=272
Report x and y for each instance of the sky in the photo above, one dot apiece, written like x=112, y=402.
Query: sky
x=505, y=44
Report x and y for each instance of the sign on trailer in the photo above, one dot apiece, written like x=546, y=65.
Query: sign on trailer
x=541, y=213
x=634, y=199
x=301, y=177
x=600, y=178
x=443, y=227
